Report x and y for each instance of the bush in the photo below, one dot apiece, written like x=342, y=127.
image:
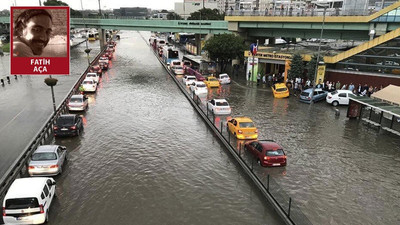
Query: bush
x=6, y=47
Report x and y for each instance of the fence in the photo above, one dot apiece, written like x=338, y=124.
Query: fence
x=278, y=198
x=18, y=168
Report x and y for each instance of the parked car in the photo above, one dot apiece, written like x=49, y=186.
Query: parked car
x=211, y=82
x=47, y=160
x=219, y=107
x=280, y=90
x=186, y=64
x=267, y=152
x=178, y=70
x=242, y=128
x=223, y=78
x=198, y=88
x=28, y=200
x=78, y=103
x=319, y=95
x=68, y=125
x=188, y=79
x=339, y=97
x=175, y=63
x=89, y=85
x=104, y=59
x=109, y=54
x=92, y=76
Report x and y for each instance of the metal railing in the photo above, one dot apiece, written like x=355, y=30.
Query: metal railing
x=301, y=12
x=283, y=204
x=18, y=168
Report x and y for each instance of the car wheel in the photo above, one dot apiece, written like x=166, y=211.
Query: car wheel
x=335, y=103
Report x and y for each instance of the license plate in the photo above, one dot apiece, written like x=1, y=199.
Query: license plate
x=64, y=128
x=276, y=164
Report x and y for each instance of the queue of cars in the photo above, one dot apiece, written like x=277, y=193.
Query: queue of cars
x=22, y=205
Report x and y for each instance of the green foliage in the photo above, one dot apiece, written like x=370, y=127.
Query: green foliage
x=225, y=47
x=311, y=66
x=296, y=67
x=6, y=47
x=206, y=14
x=74, y=13
x=173, y=16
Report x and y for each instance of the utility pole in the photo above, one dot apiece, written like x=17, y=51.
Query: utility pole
x=318, y=55
x=99, y=9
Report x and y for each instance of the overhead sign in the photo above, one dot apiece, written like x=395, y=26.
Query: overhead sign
x=321, y=74
x=40, y=41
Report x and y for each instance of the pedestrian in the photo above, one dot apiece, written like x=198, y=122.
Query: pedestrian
x=337, y=86
x=81, y=89
x=249, y=75
x=264, y=79
x=330, y=86
x=270, y=80
x=359, y=89
x=370, y=91
x=258, y=79
x=351, y=87
x=344, y=87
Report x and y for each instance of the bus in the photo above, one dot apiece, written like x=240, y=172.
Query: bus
x=198, y=63
x=169, y=53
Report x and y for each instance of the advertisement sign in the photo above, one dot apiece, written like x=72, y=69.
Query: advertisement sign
x=321, y=74
x=40, y=40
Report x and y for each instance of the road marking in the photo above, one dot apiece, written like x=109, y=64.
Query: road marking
x=12, y=119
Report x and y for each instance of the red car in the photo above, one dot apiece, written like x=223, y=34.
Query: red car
x=108, y=54
x=96, y=69
x=267, y=152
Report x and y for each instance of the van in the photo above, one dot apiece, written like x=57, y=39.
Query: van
x=28, y=200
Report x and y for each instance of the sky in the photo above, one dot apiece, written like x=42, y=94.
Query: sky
x=94, y=4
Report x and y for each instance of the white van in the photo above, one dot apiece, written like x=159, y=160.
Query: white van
x=28, y=200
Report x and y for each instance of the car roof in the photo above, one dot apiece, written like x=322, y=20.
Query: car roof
x=220, y=100
x=280, y=85
x=26, y=187
x=77, y=96
x=344, y=91
x=91, y=74
x=68, y=116
x=200, y=82
x=223, y=74
x=243, y=119
x=270, y=145
x=310, y=90
x=88, y=79
x=190, y=76
x=46, y=148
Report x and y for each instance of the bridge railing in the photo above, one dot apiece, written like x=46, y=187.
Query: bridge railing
x=301, y=12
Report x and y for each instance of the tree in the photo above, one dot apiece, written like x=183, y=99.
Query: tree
x=173, y=16
x=311, y=66
x=225, y=47
x=74, y=13
x=296, y=67
x=206, y=14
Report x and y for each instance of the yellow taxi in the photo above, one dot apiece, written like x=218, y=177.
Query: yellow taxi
x=280, y=90
x=211, y=82
x=242, y=128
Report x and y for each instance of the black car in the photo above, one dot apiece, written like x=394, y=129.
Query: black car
x=68, y=125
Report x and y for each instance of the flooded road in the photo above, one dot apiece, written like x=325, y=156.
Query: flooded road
x=146, y=157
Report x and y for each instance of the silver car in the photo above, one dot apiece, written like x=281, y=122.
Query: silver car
x=78, y=103
x=47, y=160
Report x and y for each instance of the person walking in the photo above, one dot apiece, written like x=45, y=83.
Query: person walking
x=258, y=79
x=337, y=85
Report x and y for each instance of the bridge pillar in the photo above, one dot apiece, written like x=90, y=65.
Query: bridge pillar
x=198, y=43
x=102, y=39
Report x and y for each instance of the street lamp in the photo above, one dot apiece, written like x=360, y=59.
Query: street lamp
x=319, y=51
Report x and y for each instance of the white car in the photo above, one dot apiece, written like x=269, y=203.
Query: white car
x=104, y=59
x=219, y=107
x=89, y=85
x=92, y=76
x=223, y=78
x=188, y=79
x=28, y=200
x=339, y=97
x=178, y=70
x=176, y=63
x=198, y=88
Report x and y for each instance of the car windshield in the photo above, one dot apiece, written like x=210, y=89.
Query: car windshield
x=222, y=104
x=278, y=152
x=43, y=156
x=103, y=58
x=223, y=77
x=191, y=78
x=305, y=94
x=281, y=89
x=91, y=75
x=22, y=203
x=76, y=99
x=246, y=124
x=87, y=82
x=201, y=85
x=334, y=92
x=212, y=79
x=65, y=121
x=186, y=63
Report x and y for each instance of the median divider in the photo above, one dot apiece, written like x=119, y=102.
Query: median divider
x=18, y=168
x=271, y=190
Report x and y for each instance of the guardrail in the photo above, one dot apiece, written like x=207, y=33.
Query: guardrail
x=18, y=168
x=301, y=12
x=282, y=203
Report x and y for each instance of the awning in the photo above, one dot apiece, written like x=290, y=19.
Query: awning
x=378, y=104
x=389, y=94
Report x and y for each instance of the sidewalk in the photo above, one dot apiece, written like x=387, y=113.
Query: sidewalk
x=239, y=78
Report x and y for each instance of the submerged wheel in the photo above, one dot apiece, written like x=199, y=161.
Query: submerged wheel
x=335, y=103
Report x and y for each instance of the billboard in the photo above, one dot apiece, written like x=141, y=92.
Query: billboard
x=40, y=40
